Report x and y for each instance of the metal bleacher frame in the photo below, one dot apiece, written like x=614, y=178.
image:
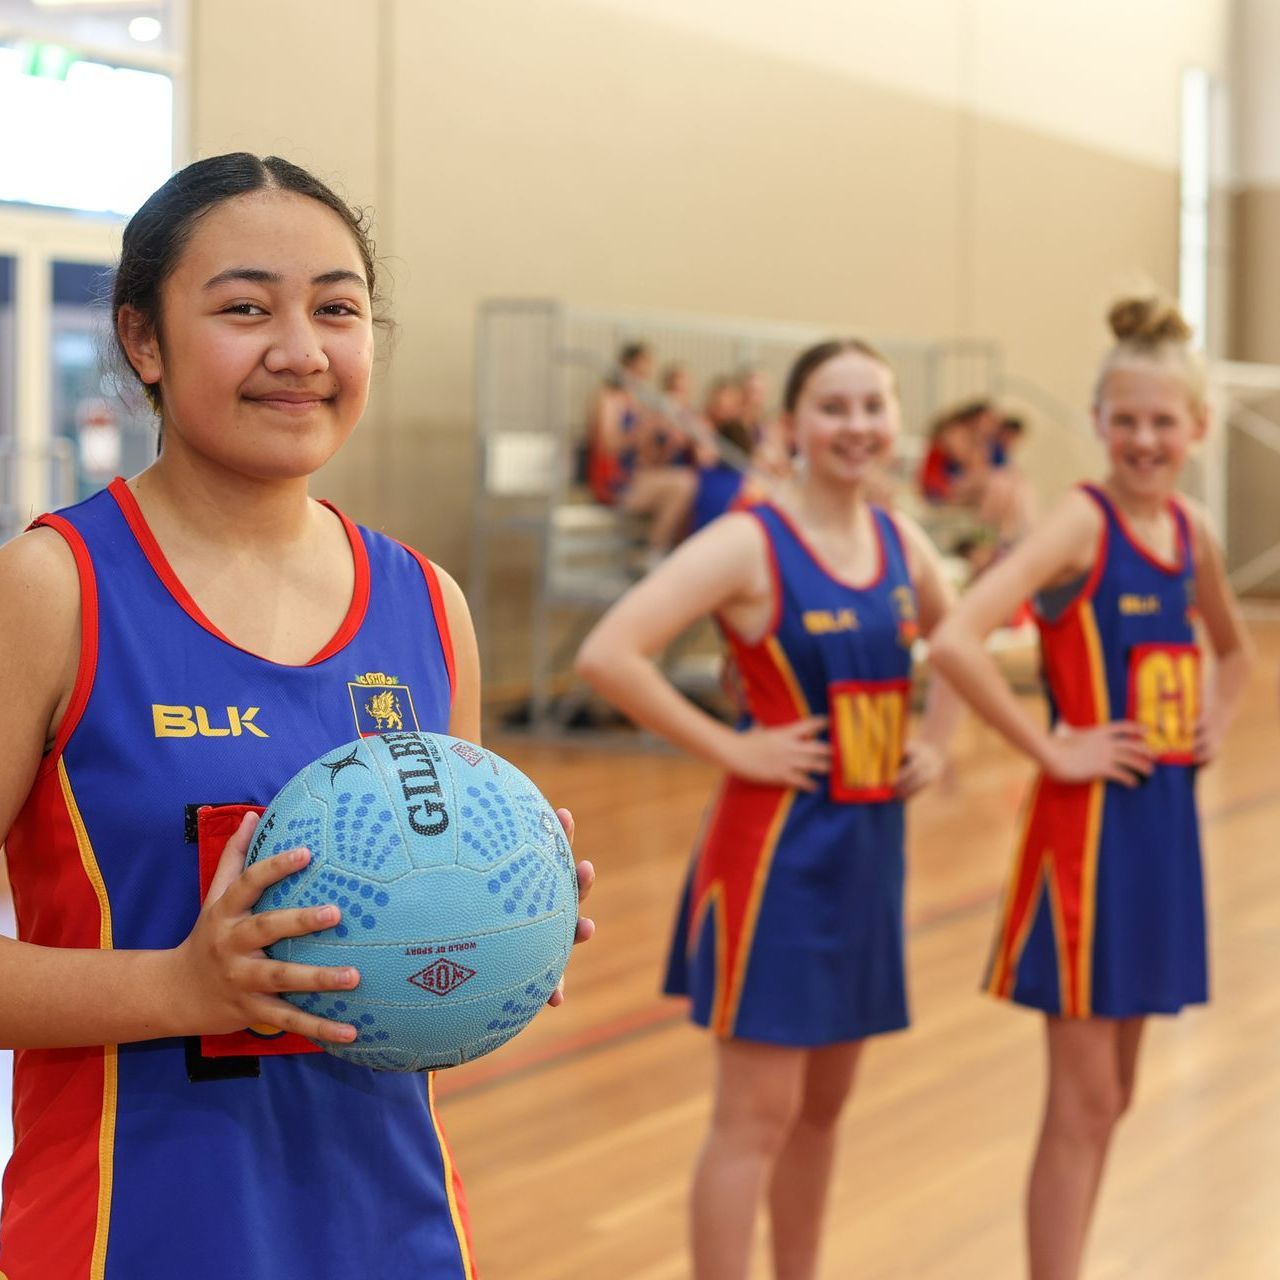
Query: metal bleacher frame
x=538, y=361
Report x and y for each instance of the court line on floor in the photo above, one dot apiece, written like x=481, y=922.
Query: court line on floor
x=480, y=1076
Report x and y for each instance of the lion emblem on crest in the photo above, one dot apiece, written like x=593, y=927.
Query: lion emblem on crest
x=384, y=707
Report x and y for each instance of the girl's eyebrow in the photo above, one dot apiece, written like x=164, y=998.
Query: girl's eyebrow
x=258, y=275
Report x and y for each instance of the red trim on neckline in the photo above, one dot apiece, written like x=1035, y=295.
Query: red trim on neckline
x=359, y=606
x=1132, y=539
x=813, y=555
x=441, y=615
x=350, y=624
x=87, y=667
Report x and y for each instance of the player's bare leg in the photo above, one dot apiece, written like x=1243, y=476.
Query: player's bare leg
x=1088, y=1092
x=802, y=1173
x=665, y=495
x=759, y=1089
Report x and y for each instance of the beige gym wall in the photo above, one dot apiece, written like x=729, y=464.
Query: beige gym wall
x=604, y=152
x=1256, y=313
x=1253, y=468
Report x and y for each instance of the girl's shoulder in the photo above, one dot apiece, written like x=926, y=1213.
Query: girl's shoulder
x=40, y=617
x=38, y=575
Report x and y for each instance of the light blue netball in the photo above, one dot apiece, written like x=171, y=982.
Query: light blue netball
x=457, y=887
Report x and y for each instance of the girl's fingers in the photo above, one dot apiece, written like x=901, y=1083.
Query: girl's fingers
x=586, y=879
x=566, y=821
x=1131, y=728
x=1139, y=758
x=585, y=931
x=256, y=932
x=247, y=888
x=1116, y=773
x=1137, y=764
x=280, y=975
x=275, y=1012
x=231, y=864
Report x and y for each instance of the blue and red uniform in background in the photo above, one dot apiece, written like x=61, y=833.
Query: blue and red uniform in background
x=790, y=930
x=1104, y=914
x=165, y=1158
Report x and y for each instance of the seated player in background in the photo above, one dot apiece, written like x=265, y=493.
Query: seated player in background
x=627, y=466
x=181, y=640
x=672, y=438
x=771, y=449
x=969, y=464
x=726, y=478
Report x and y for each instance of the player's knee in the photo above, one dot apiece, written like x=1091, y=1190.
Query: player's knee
x=822, y=1107
x=1091, y=1112
x=761, y=1123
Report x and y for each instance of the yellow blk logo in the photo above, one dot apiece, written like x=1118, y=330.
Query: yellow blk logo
x=191, y=722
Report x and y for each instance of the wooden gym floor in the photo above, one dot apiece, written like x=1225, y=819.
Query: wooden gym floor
x=576, y=1140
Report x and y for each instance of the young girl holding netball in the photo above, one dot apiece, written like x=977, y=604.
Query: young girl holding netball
x=790, y=938
x=1103, y=921
x=188, y=639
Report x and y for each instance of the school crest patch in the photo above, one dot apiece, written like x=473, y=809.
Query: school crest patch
x=381, y=704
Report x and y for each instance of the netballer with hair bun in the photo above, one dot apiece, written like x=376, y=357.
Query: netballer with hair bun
x=1103, y=922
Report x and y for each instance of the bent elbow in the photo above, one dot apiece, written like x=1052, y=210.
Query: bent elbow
x=944, y=647
x=589, y=664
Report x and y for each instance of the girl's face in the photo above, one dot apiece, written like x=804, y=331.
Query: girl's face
x=1148, y=424
x=726, y=404
x=846, y=418
x=266, y=337
x=679, y=386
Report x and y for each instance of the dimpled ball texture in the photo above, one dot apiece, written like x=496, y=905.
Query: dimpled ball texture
x=457, y=887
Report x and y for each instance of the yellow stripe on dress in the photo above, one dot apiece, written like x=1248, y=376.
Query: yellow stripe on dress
x=1093, y=825
x=712, y=905
x=459, y=1228
x=785, y=670
x=995, y=979
x=1024, y=928
x=107, y=1123
x=1065, y=1001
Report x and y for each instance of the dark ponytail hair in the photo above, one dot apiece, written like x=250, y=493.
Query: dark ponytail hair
x=160, y=230
x=808, y=362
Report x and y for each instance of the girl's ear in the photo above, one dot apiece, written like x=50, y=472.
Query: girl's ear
x=1202, y=419
x=141, y=344
x=1095, y=413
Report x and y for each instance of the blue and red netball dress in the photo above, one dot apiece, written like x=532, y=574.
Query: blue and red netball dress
x=165, y=1158
x=1104, y=915
x=609, y=474
x=790, y=930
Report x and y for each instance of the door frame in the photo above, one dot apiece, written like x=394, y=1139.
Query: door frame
x=35, y=239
